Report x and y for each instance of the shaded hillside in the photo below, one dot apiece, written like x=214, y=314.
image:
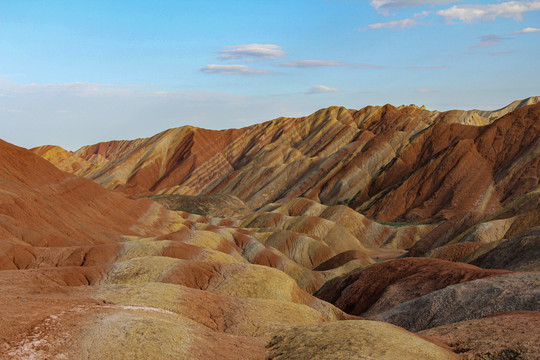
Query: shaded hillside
x=211, y=205
x=381, y=287
x=505, y=239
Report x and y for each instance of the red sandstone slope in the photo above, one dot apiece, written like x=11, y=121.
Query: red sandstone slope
x=425, y=163
x=452, y=168
x=45, y=207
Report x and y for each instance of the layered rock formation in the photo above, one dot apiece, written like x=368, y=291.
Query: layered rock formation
x=88, y=273
x=268, y=242
x=389, y=163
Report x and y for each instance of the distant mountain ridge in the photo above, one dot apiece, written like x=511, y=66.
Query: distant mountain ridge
x=509, y=108
x=362, y=158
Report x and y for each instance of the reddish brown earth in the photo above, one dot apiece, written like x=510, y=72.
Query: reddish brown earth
x=256, y=220
x=507, y=335
x=43, y=207
x=383, y=286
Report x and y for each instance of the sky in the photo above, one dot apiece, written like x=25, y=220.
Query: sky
x=80, y=72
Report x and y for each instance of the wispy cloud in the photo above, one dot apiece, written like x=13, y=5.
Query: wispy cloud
x=427, y=67
x=11, y=88
x=471, y=13
x=312, y=63
x=368, y=66
x=525, y=31
x=80, y=89
x=489, y=40
x=494, y=39
x=401, y=24
x=500, y=53
x=319, y=89
x=31, y=114
x=252, y=51
x=234, y=70
x=384, y=5
x=425, y=91
x=323, y=63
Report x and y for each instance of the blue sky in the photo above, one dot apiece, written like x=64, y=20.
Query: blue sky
x=79, y=72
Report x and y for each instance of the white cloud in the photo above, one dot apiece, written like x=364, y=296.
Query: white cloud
x=420, y=14
x=402, y=24
x=470, y=13
x=525, y=31
x=253, y=51
x=312, y=63
x=425, y=91
x=319, y=89
x=234, y=70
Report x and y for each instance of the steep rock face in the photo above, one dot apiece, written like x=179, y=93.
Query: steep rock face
x=430, y=161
